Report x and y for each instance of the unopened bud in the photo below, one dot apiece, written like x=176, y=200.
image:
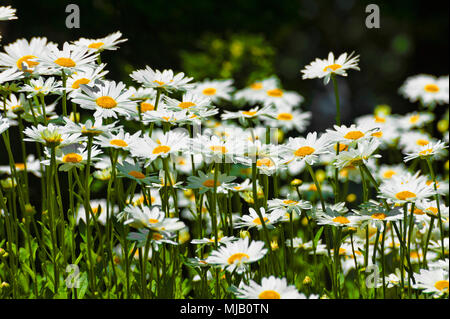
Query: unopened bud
x=244, y=234
x=307, y=281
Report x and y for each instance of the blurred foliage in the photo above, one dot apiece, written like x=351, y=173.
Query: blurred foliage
x=243, y=57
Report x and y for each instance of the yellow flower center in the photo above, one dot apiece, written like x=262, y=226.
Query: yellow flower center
x=426, y=152
x=354, y=135
x=161, y=149
x=377, y=134
x=186, y=105
x=415, y=255
x=20, y=166
x=285, y=117
x=153, y=221
x=218, y=148
x=209, y=91
x=422, y=142
x=76, y=84
x=379, y=216
x=210, y=183
x=106, y=102
x=303, y=151
x=333, y=67
x=249, y=113
x=26, y=59
x=290, y=202
x=256, y=86
x=433, y=210
x=264, y=162
x=157, y=236
x=269, y=294
x=238, y=256
x=95, y=45
x=389, y=173
x=118, y=142
x=341, y=220
x=342, y=147
x=257, y=220
x=441, y=285
x=136, y=174
x=432, y=88
x=275, y=93
x=413, y=119
x=418, y=211
x=160, y=83
x=379, y=119
x=145, y=106
x=313, y=187
x=72, y=158
x=65, y=62
x=405, y=195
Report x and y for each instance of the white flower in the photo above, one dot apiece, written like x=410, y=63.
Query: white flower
x=68, y=60
x=270, y=288
x=215, y=89
x=7, y=13
x=253, y=220
x=22, y=55
x=108, y=99
x=325, y=68
x=87, y=76
x=235, y=255
x=429, y=150
x=42, y=86
x=306, y=149
x=120, y=140
x=432, y=281
x=426, y=88
x=107, y=43
x=287, y=119
x=162, y=80
x=169, y=143
x=351, y=134
x=359, y=155
x=10, y=75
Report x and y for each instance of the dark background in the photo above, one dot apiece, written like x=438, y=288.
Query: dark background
x=412, y=39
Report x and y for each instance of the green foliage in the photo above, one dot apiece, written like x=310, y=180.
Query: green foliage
x=244, y=57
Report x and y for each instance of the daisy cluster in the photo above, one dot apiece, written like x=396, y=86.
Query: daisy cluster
x=232, y=172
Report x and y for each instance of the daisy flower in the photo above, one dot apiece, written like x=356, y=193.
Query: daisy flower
x=165, y=116
x=375, y=214
x=22, y=55
x=152, y=218
x=270, y=288
x=15, y=105
x=298, y=243
x=7, y=13
x=162, y=80
x=427, y=89
x=269, y=165
x=289, y=204
x=89, y=127
x=236, y=255
x=10, y=75
x=42, y=86
x=426, y=151
x=252, y=94
x=108, y=100
x=68, y=60
x=189, y=101
x=107, y=43
x=348, y=135
x=278, y=98
x=359, y=155
x=253, y=113
x=306, y=149
x=33, y=165
x=169, y=143
x=73, y=155
x=210, y=241
x=50, y=135
x=409, y=141
x=216, y=90
x=214, y=149
x=205, y=182
x=335, y=217
x=432, y=281
x=85, y=77
x=134, y=172
x=120, y=140
x=430, y=208
x=253, y=219
x=415, y=120
x=288, y=119
x=324, y=68
x=98, y=210
x=386, y=172
x=405, y=188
